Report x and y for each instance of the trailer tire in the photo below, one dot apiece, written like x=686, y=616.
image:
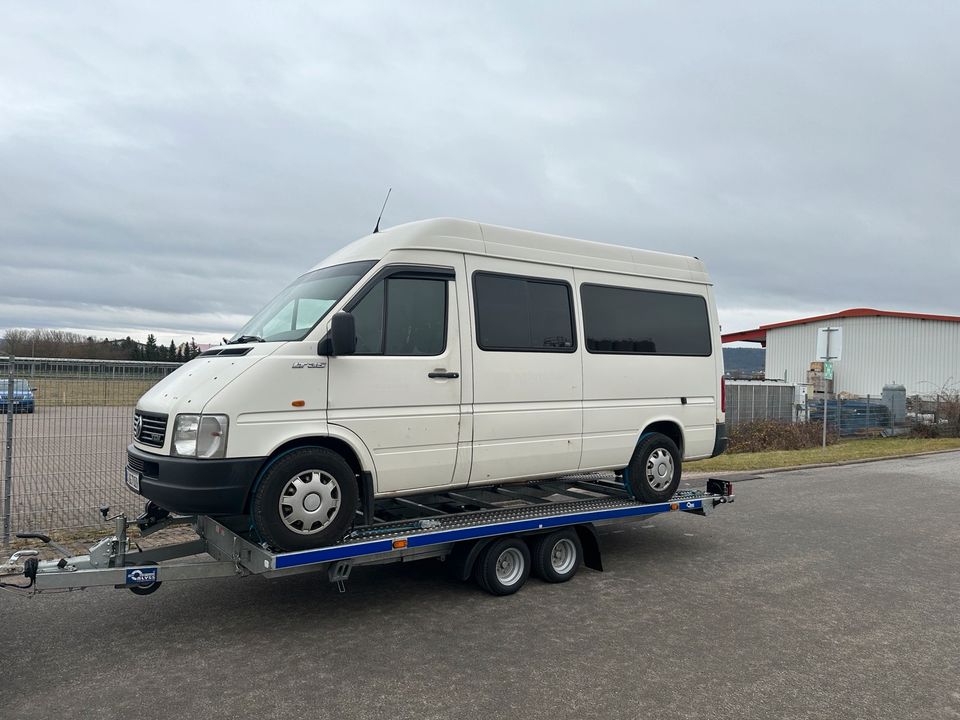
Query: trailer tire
x=653, y=475
x=503, y=566
x=556, y=557
x=290, y=513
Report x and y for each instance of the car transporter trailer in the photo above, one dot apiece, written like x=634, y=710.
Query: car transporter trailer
x=498, y=535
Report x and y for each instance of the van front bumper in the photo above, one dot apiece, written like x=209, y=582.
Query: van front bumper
x=195, y=487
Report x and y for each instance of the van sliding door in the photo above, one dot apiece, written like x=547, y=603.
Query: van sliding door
x=527, y=375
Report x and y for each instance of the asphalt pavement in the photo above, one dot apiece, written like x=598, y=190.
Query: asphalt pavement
x=826, y=593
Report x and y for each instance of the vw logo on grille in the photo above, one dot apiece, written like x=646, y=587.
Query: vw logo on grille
x=137, y=425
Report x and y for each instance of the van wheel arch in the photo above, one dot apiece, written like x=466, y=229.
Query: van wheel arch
x=665, y=427
x=337, y=445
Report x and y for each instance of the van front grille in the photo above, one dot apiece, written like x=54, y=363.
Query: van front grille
x=149, y=428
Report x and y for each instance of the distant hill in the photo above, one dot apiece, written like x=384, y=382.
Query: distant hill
x=743, y=361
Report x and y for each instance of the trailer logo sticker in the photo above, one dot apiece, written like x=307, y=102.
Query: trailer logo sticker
x=142, y=576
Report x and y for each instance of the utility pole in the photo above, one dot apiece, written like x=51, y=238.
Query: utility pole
x=827, y=357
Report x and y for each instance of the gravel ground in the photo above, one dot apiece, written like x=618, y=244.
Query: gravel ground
x=832, y=592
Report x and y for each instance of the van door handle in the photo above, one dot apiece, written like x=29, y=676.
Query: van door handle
x=443, y=374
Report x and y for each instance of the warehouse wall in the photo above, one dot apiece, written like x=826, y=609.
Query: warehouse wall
x=923, y=355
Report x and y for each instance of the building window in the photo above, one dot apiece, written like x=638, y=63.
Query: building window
x=523, y=314
x=644, y=322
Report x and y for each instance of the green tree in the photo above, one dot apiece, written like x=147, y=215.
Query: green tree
x=150, y=350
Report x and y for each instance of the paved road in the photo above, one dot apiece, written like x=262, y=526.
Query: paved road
x=829, y=593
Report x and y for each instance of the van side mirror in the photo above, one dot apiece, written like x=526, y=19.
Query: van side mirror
x=343, y=334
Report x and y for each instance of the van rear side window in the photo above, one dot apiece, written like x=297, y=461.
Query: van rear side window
x=523, y=314
x=644, y=322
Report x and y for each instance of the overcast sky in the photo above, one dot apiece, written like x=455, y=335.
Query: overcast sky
x=169, y=167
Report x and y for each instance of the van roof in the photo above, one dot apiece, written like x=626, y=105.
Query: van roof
x=475, y=238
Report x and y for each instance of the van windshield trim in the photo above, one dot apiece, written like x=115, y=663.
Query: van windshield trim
x=303, y=304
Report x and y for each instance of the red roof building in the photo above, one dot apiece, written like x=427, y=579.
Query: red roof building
x=918, y=350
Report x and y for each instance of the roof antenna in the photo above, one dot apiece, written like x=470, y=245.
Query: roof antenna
x=376, y=229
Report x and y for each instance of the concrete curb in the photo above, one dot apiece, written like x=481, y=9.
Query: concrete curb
x=838, y=463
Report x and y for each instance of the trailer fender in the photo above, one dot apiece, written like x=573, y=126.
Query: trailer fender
x=591, y=547
x=464, y=558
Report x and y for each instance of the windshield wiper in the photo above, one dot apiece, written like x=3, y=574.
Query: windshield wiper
x=246, y=339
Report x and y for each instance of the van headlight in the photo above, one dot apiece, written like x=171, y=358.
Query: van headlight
x=200, y=436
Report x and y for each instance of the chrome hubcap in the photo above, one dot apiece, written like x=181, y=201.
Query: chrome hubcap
x=659, y=469
x=309, y=501
x=509, y=566
x=563, y=556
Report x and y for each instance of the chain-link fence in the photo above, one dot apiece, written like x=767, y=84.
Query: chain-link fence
x=64, y=432
x=750, y=401
x=862, y=416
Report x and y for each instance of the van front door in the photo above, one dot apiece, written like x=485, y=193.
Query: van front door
x=400, y=392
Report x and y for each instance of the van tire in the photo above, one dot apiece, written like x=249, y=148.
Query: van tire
x=329, y=511
x=653, y=475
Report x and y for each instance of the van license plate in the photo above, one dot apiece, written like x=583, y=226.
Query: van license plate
x=132, y=479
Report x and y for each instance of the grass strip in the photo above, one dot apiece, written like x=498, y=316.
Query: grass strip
x=842, y=451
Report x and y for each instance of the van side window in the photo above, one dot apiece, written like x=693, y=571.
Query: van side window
x=519, y=313
x=402, y=316
x=644, y=322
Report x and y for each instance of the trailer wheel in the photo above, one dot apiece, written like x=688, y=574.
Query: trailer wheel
x=556, y=557
x=503, y=566
x=654, y=472
x=305, y=499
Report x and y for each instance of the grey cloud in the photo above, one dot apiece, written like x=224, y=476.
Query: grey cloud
x=177, y=164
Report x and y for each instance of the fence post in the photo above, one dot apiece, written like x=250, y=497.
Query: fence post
x=8, y=456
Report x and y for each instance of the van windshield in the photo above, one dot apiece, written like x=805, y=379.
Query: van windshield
x=294, y=312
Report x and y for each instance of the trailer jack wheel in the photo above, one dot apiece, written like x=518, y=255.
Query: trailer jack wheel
x=503, y=566
x=145, y=589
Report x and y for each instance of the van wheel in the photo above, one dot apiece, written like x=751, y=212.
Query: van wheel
x=556, y=557
x=503, y=566
x=305, y=499
x=654, y=472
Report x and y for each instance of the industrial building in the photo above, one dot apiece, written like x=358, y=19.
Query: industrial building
x=879, y=347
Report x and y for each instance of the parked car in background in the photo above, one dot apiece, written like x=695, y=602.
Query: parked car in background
x=22, y=398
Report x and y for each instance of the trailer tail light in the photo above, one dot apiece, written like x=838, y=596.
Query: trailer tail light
x=723, y=488
x=723, y=394
x=399, y=544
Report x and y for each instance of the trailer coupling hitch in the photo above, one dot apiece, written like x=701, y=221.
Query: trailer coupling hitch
x=22, y=563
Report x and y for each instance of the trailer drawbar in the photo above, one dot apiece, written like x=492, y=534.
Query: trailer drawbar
x=497, y=535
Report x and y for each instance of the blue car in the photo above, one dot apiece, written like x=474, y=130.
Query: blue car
x=22, y=400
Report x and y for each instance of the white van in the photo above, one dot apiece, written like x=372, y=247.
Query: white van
x=436, y=355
